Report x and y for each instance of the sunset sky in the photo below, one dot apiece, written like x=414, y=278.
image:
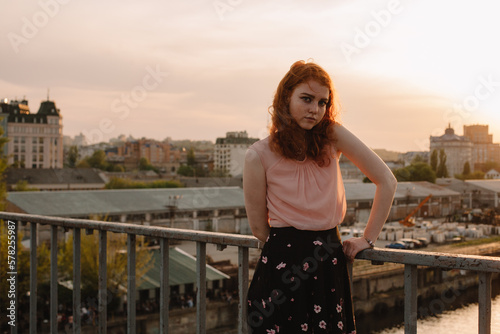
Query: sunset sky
x=197, y=69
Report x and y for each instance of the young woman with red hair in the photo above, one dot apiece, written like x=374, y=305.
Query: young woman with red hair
x=294, y=198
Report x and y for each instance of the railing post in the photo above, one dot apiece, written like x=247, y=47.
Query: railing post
x=102, y=298
x=131, y=323
x=411, y=299
x=33, y=278
x=53, y=280
x=484, y=291
x=77, y=280
x=164, y=285
x=201, y=294
x=242, y=288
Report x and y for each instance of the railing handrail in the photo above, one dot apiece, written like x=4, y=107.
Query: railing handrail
x=150, y=231
x=484, y=265
x=411, y=257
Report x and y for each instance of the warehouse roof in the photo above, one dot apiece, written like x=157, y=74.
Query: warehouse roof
x=130, y=201
x=125, y=201
x=491, y=185
x=182, y=270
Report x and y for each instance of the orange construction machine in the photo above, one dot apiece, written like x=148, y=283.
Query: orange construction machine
x=408, y=221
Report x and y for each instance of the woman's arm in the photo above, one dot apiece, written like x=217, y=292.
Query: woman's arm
x=255, y=189
x=377, y=171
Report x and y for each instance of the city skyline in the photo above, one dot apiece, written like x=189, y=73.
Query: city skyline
x=197, y=70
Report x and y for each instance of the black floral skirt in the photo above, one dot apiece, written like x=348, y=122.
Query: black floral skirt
x=301, y=285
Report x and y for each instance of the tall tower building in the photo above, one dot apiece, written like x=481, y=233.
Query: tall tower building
x=35, y=140
x=483, y=150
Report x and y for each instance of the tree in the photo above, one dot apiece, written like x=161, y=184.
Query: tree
x=191, y=160
x=23, y=185
x=489, y=165
x=73, y=156
x=434, y=160
x=417, y=158
x=466, y=170
x=98, y=160
x=3, y=167
x=185, y=170
x=419, y=171
x=442, y=170
x=116, y=263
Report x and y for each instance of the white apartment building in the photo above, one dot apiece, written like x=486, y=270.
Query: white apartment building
x=229, y=155
x=35, y=140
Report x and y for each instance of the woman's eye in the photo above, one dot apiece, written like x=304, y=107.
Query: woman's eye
x=306, y=99
x=322, y=103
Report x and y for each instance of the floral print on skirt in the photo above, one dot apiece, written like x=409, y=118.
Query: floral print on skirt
x=301, y=285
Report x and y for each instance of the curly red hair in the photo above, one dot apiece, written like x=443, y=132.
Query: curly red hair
x=287, y=138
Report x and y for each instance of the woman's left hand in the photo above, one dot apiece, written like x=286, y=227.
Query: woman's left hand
x=353, y=246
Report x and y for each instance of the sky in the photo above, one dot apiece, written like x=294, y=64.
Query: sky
x=403, y=70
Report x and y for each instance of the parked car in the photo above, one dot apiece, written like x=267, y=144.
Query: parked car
x=424, y=242
x=397, y=245
x=412, y=243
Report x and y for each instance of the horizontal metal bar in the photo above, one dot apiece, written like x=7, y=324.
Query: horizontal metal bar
x=433, y=259
x=151, y=231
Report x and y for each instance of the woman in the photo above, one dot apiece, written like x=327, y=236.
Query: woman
x=294, y=198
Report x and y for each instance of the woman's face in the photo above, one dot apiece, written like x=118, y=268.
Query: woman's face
x=308, y=103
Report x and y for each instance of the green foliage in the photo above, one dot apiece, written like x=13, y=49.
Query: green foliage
x=3, y=167
x=489, y=165
x=442, y=170
x=186, y=170
x=419, y=171
x=418, y=158
x=73, y=156
x=471, y=176
x=191, y=160
x=23, y=185
x=116, y=263
x=145, y=165
x=98, y=160
x=466, y=170
x=434, y=160
x=119, y=183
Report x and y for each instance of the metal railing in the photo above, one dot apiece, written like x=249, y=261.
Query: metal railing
x=485, y=266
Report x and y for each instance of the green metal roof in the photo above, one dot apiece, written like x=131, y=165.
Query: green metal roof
x=182, y=270
x=87, y=202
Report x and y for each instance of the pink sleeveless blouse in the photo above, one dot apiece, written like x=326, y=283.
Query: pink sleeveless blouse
x=300, y=193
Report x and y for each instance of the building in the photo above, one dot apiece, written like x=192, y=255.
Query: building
x=492, y=174
x=483, y=149
x=458, y=150
x=130, y=153
x=55, y=179
x=35, y=140
x=229, y=155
